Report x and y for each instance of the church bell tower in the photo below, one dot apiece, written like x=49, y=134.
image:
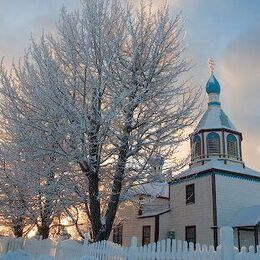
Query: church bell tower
x=215, y=137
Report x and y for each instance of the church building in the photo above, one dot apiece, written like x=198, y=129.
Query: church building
x=216, y=190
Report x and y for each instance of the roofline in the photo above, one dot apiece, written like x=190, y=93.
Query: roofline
x=149, y=195
x=214, y=171
x=251, y=226
x=154, y=215
x=217, y=129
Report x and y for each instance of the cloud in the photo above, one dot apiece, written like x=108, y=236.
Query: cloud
x=228, y=30
x=240, y=74
x=21, y=18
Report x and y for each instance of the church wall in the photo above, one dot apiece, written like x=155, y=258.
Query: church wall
x=133, y=224
x=232, y=195
x=199, y=214
x=165, y=225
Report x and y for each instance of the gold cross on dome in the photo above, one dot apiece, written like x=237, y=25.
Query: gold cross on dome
x=211, y=65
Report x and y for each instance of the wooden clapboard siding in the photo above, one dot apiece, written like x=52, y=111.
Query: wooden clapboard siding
x=199, y=214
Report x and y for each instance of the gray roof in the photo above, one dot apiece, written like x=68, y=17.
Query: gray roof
x=249, y=216
x=154, y=189
x=217, y=165
x=213, y=118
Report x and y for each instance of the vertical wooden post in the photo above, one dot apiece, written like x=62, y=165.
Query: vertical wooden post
x=133, y=249
x=238, y=239
x=214, y=204
x=227, y=243
x=256, y=237
x=85, y=247
x=156, y=228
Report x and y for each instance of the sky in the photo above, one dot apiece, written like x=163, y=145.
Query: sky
x=227, y=30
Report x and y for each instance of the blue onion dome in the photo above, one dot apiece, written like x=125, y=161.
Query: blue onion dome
x=213, y=85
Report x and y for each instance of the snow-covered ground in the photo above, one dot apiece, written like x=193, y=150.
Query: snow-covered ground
x=21, y=255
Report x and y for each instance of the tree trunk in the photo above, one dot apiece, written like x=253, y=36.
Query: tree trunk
x=91, y=168
x=44, y=226
x=119, y=176
x=94, y=203
x=18, y=227
x=44, y=230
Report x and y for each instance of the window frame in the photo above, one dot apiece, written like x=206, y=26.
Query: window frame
x=195, y=234
x=235, y=142
x=118, y=234
x=197, y=146
x=143, y=235
x=209, y=138
x=189, y=199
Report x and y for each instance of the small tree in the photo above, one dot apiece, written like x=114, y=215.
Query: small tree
x=110, y=92
x=15, y=201
x=31, y=187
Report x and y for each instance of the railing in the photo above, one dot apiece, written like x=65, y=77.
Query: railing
x=106, y=250
x=64, y=250
x=172, y=249
x=165, y=249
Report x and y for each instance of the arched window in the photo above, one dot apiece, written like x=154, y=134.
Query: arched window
x=196, y=145
x=232, y=148
x=213, y=144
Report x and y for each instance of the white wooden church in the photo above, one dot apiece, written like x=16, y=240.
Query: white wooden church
x=217, y=190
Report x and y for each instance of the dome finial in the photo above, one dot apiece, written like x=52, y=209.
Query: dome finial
x=212, y=86
x=211, y=63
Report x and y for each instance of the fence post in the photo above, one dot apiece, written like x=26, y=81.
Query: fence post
x=133, y=242
x=227, y=243
x=85, y=246
x=132, y=249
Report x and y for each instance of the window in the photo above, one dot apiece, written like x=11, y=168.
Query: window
x=232, y=149
x=118, y=234
x=140, y=210
x=213, y=144
x=146, y=235
x=190, y=234
x=196, y=146
x=190, y=194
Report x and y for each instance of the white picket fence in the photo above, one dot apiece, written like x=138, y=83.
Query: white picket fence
x=64, y=250
x=172, y=249
x=106, y=250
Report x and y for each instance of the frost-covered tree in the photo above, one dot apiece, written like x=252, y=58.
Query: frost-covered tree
x=103, y=97
x=15, y=198
x=31, y=190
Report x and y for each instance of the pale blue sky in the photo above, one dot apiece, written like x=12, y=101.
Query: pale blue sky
x=228, y=30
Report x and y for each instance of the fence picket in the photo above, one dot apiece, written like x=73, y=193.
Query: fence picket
x=191, y=253
x=68, y=249
x=185, y=251
x=3, y=244
x=162, y=250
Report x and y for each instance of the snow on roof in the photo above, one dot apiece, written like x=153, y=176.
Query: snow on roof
x=218, y=165
x=249, y=216
x=155, y=189
x=213, y=118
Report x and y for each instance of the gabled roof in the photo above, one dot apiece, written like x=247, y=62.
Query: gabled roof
x=249, y=216
x=154, y=189
x=217, y=165
x=214, y=118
